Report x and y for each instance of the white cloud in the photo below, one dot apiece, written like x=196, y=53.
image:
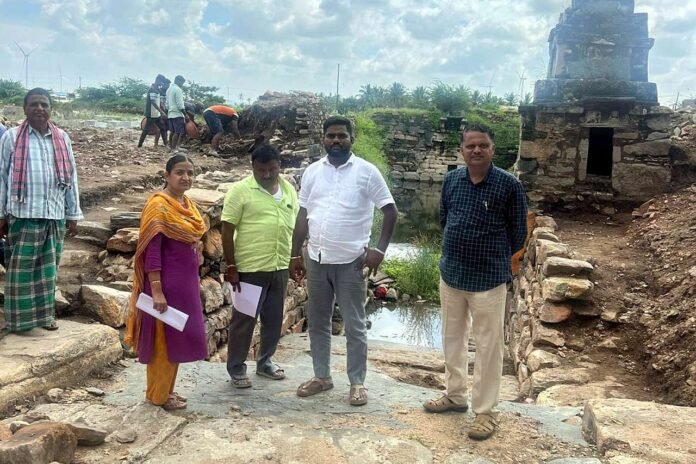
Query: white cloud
x=255, y=45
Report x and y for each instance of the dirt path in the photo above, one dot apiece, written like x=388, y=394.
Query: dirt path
x=622, y=281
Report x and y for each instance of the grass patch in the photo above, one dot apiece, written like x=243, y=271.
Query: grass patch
x=369, y=143
x=418, y=276
x=401, y=111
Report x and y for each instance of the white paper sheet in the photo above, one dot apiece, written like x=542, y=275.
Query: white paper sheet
x=172, y=316
x=246, y=301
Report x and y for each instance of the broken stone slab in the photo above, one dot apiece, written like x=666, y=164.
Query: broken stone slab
x=54, y=395
x=211, y=294
x=540, y=359
x=35, y=362
x=656, y=432
x=654, y=180
x=124, y=220
x=124, y=241
x=547, y=249
x=547, y=378
x=546, y=336
x=108, y=305
x=87, y=435
x=575, y=461
x=578, y=395
x=41, y=443
x=126, y=436
x=554, y=313
x=557, y=266
x=5, y=432
x=557, y=289
x=97, y=230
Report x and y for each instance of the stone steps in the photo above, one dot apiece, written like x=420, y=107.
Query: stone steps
x=38, y=360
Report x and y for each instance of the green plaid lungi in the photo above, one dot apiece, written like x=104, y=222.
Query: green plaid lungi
x=32, y=255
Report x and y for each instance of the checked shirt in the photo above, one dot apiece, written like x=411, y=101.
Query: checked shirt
x=483, y=225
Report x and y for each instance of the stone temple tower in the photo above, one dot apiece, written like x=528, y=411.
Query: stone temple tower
x=595, y=133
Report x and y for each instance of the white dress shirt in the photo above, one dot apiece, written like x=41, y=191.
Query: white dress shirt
x=340, y=204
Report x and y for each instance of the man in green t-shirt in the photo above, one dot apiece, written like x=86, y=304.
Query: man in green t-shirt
x=258, y=219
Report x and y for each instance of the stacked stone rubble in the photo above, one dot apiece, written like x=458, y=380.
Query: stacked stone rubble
x=551, y=288
x=290, y=122
x=109, y=303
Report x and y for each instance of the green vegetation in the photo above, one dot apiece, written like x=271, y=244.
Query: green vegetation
x=419, y=275
x=369, y=142
x=11, y=92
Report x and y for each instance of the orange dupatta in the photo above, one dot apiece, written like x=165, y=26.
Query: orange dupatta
x=162, y=214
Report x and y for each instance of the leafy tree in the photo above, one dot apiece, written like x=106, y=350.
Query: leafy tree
x=10, y=90
x=367, y=94
x=127, y=87
x=527, y=99
x=510, y=99
x=476, y=98
x=202, y=93
x=450, y=100
x=397, y=92
x=419, y=97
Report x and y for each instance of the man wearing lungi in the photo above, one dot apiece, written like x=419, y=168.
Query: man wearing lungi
x=38, y=200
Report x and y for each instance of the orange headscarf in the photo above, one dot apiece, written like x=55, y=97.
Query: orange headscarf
x=162, y=215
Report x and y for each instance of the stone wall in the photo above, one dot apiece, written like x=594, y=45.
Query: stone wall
x=416, y=151
x=552, y=286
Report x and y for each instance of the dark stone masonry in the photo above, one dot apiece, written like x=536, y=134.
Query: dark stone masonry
x=595, y=134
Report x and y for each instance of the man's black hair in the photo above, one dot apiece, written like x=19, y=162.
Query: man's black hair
x=264, y=154
x=478, y=128
x=179, y=78
x=338, y=121
x=38, y=91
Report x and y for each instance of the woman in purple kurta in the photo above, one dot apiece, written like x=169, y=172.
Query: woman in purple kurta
x=166, y=268
x=178, y=266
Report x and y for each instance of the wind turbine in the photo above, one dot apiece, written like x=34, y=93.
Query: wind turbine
x=26, y=64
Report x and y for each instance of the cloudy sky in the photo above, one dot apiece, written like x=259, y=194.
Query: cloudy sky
x=246, y=47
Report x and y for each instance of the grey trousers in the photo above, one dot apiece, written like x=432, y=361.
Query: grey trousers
x=344, y=284
x=274, y=287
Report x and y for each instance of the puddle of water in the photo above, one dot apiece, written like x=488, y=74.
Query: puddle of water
x=417, y=325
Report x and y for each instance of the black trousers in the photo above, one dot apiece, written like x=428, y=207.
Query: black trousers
x=274, y=287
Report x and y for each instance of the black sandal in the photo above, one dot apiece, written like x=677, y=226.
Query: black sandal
x=51, y=327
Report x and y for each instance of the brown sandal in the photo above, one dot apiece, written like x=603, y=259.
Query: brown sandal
x=173, y=404
x=483, y=427
x=313, y=386
x=358, y=395
x=177, y=397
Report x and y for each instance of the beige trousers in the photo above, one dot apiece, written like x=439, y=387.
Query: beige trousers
x=485, y=311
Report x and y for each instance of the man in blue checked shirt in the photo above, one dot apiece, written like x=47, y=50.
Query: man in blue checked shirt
x=483, y=213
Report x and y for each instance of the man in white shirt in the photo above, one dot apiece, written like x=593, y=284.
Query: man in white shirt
x=176, y=112
x=337, y=200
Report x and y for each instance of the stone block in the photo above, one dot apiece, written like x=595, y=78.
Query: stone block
x=578, y=395
x=552, y=313
x=547, y=249
x=547, y=378
x=205, y=198
x=124, y=241
x=660, y=123
x=545, y=233
x=566, y=288
x=657, y=136
x=557, y=266
x=108, y=305
x=656, y=148
x=540, y=359
x=656, y=432
x=212, y=244
x=211, y=294
x=87, y=435
x=124, y=220
x=546, y=336
x=41, y=443
x=99, y=231
x=641, y=182
x=78, y=258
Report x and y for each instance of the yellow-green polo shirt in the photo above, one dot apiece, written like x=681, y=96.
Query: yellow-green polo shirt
x=263, y=227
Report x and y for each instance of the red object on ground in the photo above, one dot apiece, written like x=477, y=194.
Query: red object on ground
x=380, y=292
